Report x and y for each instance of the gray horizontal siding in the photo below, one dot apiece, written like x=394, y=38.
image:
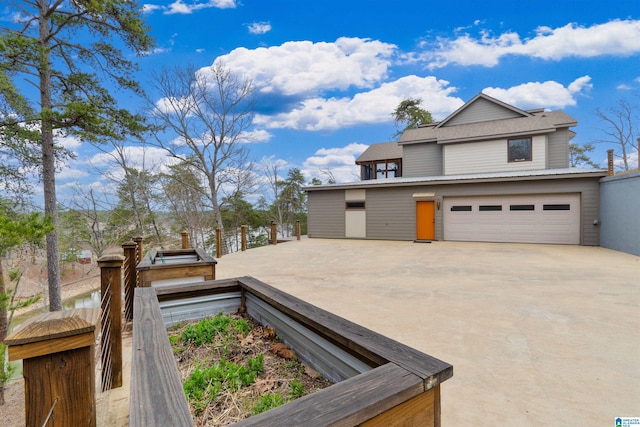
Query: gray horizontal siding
x=422, y=160
x=558, y=149
x=391, y=210
x=326, y=214
x=481, y=111
x=391, y=214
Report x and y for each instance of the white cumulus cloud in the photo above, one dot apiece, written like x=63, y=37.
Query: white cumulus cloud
x=371, y=107
x=255, y=136
x=618, y=37
x=337, y=163
x=137, y=157
x=300, y=67
x=549, y=94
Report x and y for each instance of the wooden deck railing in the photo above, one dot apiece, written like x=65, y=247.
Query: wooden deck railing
x=111, y=321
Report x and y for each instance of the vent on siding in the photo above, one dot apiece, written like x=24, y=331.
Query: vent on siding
x=355, y=204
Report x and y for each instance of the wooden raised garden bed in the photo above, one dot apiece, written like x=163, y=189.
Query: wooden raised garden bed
x=377, y=381
x=163, y=267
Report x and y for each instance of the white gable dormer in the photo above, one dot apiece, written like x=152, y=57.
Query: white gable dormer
x=482, y=108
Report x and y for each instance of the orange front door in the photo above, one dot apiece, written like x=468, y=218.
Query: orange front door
x=425, y=221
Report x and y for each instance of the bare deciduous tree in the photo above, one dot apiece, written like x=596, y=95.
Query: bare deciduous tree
x=96, y=210
x=204, y=115
x=184, y=196
x=621, y=131
x=127, y=167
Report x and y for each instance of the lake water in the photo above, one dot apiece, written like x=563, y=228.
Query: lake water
x=87, y=300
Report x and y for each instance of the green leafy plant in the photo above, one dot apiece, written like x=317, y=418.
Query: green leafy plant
x=6, y=369
x=242, y=326
x=296, y=389
x=205, y=331
x=205, y=383
x=268, y=401
x=232, y=373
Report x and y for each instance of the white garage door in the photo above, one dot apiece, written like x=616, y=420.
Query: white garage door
x=547, y=218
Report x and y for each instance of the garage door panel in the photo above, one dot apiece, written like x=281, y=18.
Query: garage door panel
x=554, y=218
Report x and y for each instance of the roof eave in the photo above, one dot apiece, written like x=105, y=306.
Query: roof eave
x=453, y=180
x=497, y=136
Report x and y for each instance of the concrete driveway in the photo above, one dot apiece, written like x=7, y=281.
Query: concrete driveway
x=538, y=335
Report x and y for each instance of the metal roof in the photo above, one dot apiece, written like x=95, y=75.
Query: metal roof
x=466, y=178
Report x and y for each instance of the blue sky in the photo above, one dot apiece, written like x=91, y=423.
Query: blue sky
x=330, y=73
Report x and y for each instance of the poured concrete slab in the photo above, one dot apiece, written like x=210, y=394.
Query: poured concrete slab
x=537, y=334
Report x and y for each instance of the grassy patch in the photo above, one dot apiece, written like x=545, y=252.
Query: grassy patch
x=230, y=369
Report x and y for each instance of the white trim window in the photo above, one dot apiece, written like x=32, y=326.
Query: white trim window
x=520, y=150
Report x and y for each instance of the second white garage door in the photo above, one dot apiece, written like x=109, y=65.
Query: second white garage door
x=548, y=218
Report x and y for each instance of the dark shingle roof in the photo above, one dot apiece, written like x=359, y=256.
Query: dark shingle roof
x=381, y=151
x=536, y=124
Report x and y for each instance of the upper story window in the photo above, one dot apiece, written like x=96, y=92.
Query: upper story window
x=381, y=169
x=519, y=150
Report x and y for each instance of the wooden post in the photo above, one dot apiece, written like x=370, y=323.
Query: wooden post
x=298, y=229
x=218, y=242
x=130, y=278
x=185, y=240
x=243, y=236
x=111, y=327
x=274, y=233
x=58, y=366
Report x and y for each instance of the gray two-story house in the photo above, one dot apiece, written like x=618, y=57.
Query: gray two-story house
x=489, y=172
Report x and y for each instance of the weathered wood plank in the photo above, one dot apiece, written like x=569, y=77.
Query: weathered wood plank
x=56, y=324
x=196, y=263
x=157, y=397
x=65, y=381
x=347, y=403
x=375, y=347
x=41, y=348
x=168, y=271
x=417, y=411
x=52, y=332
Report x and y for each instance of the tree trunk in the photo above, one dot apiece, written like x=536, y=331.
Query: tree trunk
x=3, y=327
x=3, y=310
x=48, y=162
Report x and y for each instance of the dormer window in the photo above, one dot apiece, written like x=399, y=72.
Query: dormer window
x=519, y=150
x=380, y=169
